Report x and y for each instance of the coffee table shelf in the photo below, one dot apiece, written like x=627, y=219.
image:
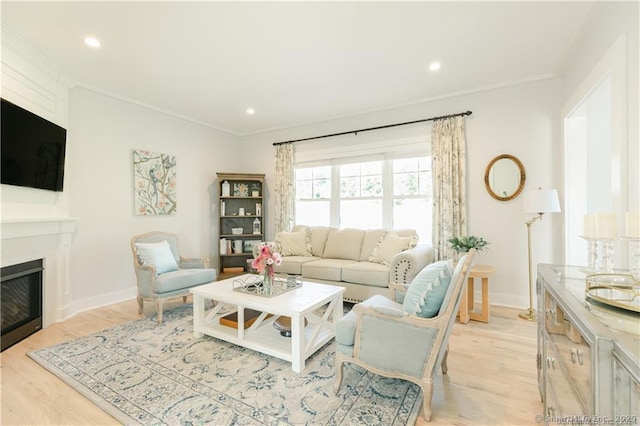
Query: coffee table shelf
x=301, y=304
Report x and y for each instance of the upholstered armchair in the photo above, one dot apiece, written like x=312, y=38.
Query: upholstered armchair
x=162, y=273
x=406, y=338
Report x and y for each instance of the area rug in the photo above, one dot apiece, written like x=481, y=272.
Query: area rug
x=150, y=374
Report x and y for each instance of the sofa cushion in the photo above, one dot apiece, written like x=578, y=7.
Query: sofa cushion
x=293, y=264
x=370, y=241
x=158, y=255
x=184, y=278
x=325, y=269
x=389, y=246
x=294, y=243
x=344, y=244
x=318, y=238
x=367, y=273
x=427, y=290
x=346, y=326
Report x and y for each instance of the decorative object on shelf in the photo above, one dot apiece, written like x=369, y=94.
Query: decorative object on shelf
x=240, y=190
x=264, y=263
x=258, y=209
x=237, y=246
x=256, y=285
x=537, y=201
x=256, y=226
x=223, y=208
x=154, y=179
x=226, y=189
x=619, y=290
x=255, y=190
x=632, y=234
x=223, y=246
x=249, y=246
x=237, y=231
x=589, y=235
x=241, y=211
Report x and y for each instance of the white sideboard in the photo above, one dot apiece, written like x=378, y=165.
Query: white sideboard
x=588, y=353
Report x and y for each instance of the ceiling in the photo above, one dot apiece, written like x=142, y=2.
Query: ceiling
x=295, y=62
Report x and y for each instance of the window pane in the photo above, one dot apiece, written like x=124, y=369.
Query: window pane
x=313, y=213
x=426, y=184
x=405, y=165
x=405, y=184
x=372, y=186
x=322, y=188
x=306, y=173
x=372, y=168
x=361, y=214
x=323, y=172
x=349, y=187
x=415, y=214
x=303, y=189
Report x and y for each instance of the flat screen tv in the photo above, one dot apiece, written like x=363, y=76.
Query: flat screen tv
x=32, y=149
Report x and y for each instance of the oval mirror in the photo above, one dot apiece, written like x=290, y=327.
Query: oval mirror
x=504, y=177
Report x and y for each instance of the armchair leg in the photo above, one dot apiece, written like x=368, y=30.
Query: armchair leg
x=140, y=304
x=427, y=392
x=338, y=367
x=159, y=306
x=445, y=368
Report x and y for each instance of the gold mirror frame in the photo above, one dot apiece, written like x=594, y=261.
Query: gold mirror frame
x=487, y=174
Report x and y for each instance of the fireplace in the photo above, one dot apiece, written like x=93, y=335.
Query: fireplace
x=21, y=306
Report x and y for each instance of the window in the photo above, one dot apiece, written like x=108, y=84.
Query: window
x=391, y=193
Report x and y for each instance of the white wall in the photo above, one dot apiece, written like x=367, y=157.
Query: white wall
x=520, y=120
x=607, y=24
x=103, y=132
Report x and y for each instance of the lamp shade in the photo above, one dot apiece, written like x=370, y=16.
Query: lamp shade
x=541, y=201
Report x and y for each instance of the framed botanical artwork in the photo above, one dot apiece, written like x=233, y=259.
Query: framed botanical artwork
x=154, y=179
x=240, y=190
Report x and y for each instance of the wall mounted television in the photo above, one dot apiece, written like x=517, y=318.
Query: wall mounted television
x=33, y=149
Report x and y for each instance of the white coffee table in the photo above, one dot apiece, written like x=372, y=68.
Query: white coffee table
x=299, y=304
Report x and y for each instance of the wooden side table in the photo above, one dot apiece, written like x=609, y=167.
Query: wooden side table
x=467, y=311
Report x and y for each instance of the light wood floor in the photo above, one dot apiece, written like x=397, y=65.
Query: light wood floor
x=491, y=378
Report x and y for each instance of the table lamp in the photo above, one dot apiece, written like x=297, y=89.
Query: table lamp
x=538, y=201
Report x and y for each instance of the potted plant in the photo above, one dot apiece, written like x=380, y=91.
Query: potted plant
x=467, y=242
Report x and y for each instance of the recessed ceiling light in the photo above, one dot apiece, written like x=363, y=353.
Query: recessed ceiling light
x=251, y=111
x=434, y=66
x=92, y=42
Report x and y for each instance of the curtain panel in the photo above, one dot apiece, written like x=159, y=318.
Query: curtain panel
x=448, y=156
x=285, y=196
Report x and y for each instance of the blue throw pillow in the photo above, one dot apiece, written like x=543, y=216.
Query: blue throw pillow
x=427, y=290
x=157, y=255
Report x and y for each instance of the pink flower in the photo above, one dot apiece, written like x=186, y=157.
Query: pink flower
x=267, y=259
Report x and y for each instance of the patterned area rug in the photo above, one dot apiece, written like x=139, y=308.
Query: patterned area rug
x=150, y=374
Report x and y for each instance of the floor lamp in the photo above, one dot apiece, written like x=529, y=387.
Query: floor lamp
x=536, y=201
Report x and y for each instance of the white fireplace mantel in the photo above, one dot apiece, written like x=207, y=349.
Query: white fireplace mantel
x=48, y=239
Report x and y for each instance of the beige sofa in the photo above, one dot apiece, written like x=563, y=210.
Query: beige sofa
x=362, y=261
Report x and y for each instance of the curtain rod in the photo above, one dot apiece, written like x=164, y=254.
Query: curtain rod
x=375, y=128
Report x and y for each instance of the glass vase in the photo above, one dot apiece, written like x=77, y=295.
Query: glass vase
x=266, y=281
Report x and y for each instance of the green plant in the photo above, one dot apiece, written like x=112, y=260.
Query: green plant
x=465, y=243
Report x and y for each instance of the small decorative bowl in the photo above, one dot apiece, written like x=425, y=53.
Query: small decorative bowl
x=237, y=231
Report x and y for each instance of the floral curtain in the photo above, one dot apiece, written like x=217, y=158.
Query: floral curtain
x=285, y=195
x=448, y=162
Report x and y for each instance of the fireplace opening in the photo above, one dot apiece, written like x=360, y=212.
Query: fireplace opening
x=21, y=306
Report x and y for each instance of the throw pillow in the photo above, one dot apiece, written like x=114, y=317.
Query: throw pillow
x=157, y=255
x=294, y=243
x=427, y=290
x=389, y=246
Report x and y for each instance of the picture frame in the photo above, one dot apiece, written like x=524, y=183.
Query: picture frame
x=240, y=190
x=250, y=244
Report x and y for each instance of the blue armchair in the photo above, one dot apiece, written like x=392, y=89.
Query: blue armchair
x=406, y=338
x=162, y=273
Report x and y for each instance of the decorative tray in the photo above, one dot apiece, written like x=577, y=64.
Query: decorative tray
x=619, y=290
x=254, y=284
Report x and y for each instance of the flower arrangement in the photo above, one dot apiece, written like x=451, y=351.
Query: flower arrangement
x=465, y=243
x=266, y=259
